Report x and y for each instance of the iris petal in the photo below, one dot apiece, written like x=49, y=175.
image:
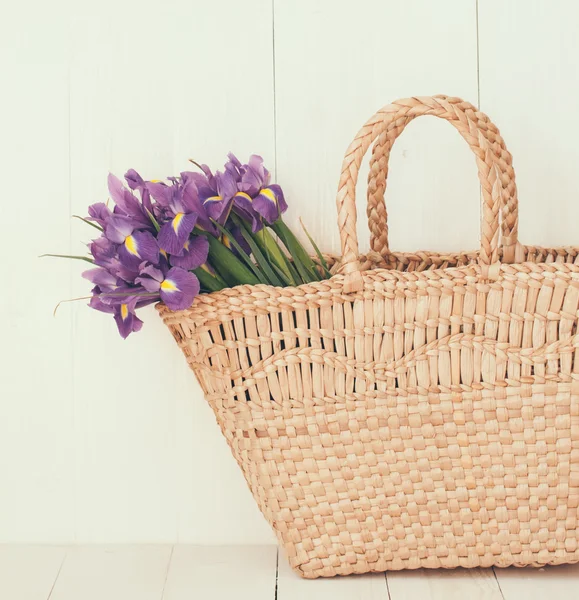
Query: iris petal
x=138, y=247
x=174, y=233
x=177, y=221
x=101, y=277
x=194, y=254
x=126, y=201
x=179, y=289
x=131, y=246
x=243, y=206
x=270, y=203
x=127, y=322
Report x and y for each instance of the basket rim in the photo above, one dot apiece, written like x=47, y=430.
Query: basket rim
x=238, y=299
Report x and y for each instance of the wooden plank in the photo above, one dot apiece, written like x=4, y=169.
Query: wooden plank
x=337, y=62
x=443, y=584
x=29, y=572
x=36, y=458
x=220, y=572
x=114, y=573
x=561, y=582
x=291, y=586
x=529, y=89
x=143, y=443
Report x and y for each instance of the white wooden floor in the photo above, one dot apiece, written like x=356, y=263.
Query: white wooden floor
x=247, y=573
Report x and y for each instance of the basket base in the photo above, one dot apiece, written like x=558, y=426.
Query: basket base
x=316, y=568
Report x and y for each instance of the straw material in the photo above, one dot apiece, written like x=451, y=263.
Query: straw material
x=415, y=410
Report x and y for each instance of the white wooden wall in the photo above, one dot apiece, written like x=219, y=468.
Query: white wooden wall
x=110, y=440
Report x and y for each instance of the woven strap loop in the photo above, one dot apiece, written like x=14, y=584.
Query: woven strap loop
x=494, y=169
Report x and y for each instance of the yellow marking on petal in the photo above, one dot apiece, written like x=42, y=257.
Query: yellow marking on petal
x=163, y=253
x=169, y=286
x=177, y=221
x=213, y=199
x=155, y=181
x=131, y=245
x=269, y=195
x=244, y=195
x=124, y=312
x=186, y=245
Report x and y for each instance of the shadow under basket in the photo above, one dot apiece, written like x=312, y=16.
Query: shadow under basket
x=419, y=410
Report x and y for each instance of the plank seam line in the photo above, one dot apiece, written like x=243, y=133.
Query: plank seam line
x=498, y=583
x=167, y=571
x=274, y=91
x=57, y=575
x=276, y=572
x=477, y=56
x=387, y=586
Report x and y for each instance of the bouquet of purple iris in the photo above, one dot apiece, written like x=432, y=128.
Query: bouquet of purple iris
x=196, y=233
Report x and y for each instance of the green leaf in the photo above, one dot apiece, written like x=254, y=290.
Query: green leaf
x=85, y=258
x=207, y=267
x=228, y=265
x=153, y=220
x=95, y=225
x=292, y=270
x=281, y=275
x=323, y=263
x=303, y=263
x=258, y=255
x=241, y=252
x=208, y=281
x=274, y=254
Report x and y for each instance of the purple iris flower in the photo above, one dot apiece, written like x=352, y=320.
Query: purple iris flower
x=128, y=204
x=195, y=252
x=136, y=182
x=99, y=213
x=97, y=303
x=234, y=165
x=270, y=203
x=105, y=255
x=104, y=279
x=113, y=290
x=216, y=193
x=243, y=206
x=180, y=201
x=135, y=246
x=123, y=310
x=256, y=199
x=203, y=218
x=126, y=319
x=177, y=288
x=238, y=237
x=103, y=251
x=254, y=175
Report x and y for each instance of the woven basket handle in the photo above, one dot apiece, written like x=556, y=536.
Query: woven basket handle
x=376, y=208
x=494, y=168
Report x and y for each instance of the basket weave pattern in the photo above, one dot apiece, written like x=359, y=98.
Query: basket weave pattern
x=415, y=410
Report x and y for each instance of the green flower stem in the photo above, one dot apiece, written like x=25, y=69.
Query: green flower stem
x=270, y=248
x=85, y=258
x=242, y=253
x=258, y=255
x=95, y=225
x=323, y=263
x=209, y=281
x=302, y=261
x=229, y=267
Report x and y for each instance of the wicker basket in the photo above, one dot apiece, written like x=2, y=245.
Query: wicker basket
x=415, y=410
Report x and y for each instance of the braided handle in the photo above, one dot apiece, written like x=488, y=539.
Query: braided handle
x=376, y=208
x=494, y=169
